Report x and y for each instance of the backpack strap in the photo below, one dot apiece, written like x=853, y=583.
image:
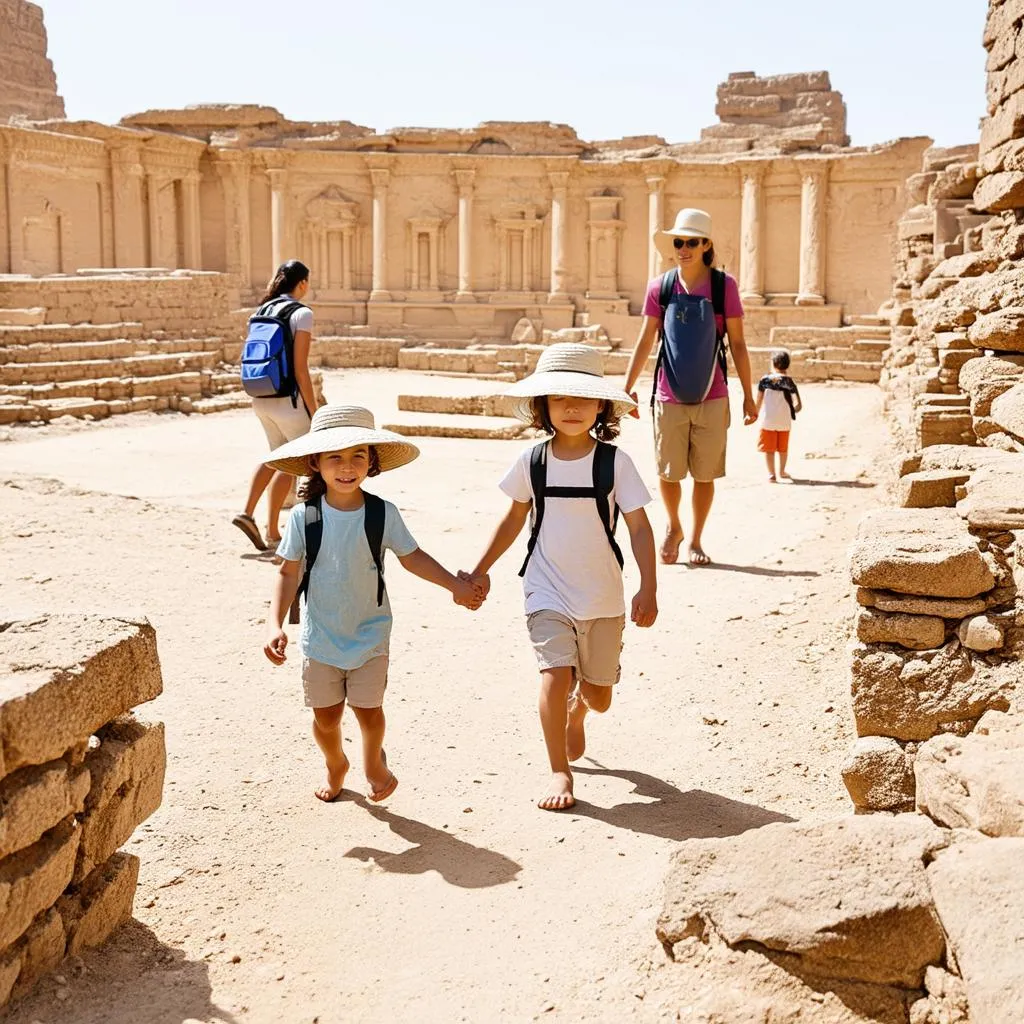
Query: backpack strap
x=718, y=305
x=314, y=533
x=374, y=511
x=604, y=482
x=538, y=484
x=665, y=292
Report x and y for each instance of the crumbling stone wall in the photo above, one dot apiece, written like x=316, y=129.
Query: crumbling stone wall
x=78, y=773
x=28, y=85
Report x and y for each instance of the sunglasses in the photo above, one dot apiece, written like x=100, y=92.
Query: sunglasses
x=690, y=243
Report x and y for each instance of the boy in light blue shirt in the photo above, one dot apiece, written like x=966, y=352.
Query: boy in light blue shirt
x=346, y=626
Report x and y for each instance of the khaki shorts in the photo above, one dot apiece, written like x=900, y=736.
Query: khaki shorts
x=362, y=687
x=281, y=421
x=691, y=438
x=590, y=646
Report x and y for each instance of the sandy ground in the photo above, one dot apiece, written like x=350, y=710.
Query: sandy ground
x=458, y=900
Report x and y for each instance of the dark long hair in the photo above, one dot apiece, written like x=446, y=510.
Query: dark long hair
x=709, y=255
x=312, y=487
x=289, y=276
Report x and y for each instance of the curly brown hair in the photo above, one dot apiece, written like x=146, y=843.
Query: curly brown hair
x=606, y=427
x=313, y=486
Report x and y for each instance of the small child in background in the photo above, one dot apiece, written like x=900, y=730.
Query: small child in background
x=779, y=396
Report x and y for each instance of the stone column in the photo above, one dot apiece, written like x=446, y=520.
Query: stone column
x=751, y=227
x=106, y=222
x=193, y=246
x=378, y=289
x=464, y=179
x=655, y=221
x=126, y=175
x=154, y=182
x=813, y=233
x=11, y=255
x=278, y=216
x=5, y=223
x=233, y=168
x=559, y=198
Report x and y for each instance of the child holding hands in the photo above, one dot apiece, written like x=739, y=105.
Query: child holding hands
x=346, y=625
x=576, y=483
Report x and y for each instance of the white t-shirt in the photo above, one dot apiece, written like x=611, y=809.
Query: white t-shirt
x=301, y=319
x=775, y=411
x=573, y=568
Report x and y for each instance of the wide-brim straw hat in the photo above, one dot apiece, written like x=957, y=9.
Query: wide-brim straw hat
x=568, y=369
x=336, y=427
x=690, y=223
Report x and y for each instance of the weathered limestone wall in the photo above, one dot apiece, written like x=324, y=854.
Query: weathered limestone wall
x=78, y=773
x=28, y=85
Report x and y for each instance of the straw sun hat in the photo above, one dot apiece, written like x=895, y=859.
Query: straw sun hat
x=335, y=427
x=689, y=223
x=568, y=369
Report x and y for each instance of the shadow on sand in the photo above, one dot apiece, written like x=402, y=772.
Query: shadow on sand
x=671, y=813
x=456, y=861
x=753, y=570
x=856, y=484
x=134, y=977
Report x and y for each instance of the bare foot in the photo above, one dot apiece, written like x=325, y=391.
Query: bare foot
x=575, y=737
x=771, y=478
x=559, y=796
x=785, y=476
x=670, y=547
x=383, y=781
x=336, y=773
x=698, y=556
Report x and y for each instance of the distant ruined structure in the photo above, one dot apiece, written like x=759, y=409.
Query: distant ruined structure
x=28, y=85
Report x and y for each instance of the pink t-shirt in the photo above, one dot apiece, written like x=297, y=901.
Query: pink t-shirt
x=733, y=308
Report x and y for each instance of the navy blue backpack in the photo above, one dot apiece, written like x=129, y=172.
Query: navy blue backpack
x=268, y=359
x=691, y=344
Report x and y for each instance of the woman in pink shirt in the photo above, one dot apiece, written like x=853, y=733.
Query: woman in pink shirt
x=691, y=438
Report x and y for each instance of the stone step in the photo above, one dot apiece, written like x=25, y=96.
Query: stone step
x=337, y=352
x=134, y=366
x=69, y=333
x=222, y=403
x=22, y=317
x=462, y=360
x=846, y=355
x=495, y=406
x=95, y=350
x=878, y=345
x=492, y=428
x=816, y=337
x=865, y=320
x=188, y=382
x=825, y=369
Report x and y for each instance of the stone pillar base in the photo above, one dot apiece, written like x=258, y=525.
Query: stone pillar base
x=465, y=297
x=558, y=298
x=378, y=295
x=752, y=298
x=810, y=300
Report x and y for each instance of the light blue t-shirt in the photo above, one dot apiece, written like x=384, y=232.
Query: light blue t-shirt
x=341, y=623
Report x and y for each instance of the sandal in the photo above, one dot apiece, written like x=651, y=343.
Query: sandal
x=248, y=526
x=376, y=795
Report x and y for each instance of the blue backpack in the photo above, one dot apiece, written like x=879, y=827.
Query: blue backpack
x=268, y=359
x=691, y=344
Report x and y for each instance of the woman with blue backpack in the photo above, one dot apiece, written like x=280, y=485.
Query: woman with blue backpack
x=691, y=309
x=275, y=372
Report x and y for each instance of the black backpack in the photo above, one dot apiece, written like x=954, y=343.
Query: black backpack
x=373, y=525
x=600, y=491
x=665, y=293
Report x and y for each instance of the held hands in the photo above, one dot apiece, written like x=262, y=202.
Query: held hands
x=645, y=608
x=470, y=591
x=749, y=411
x=277, y=641
x=635, y=411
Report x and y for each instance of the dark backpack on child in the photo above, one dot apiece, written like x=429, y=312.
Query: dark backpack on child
x=268, y=353
x=691, y=343
x=600, y=491
x=373, y=526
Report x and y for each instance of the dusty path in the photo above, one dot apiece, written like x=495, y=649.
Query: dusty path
x=457, y=900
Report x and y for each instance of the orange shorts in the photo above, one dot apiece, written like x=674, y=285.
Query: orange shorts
x=772, y=441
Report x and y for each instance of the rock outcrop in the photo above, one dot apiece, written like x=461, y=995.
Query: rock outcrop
x=28, y=85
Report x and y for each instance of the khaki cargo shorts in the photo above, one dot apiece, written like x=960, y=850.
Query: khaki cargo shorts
x=281, y=421
x=691, y=439
x=363, y=687
x=591, y=646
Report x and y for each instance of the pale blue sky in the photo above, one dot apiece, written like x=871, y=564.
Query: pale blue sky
x=905, y=67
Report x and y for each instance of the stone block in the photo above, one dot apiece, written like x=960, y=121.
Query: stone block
x=980, y=633
x=995, y=496
x=40, y=951
x=848, y=899
x=943, y=607
x=35, y=799
x=95, y=908
x=63, y=676
x=980, y=901
x=967, y=458
x=916, y=632
x=878, y=775
x=127, y=771
x=915, y=695
x=930, y=489
x=926, y=552
x=1002, y=330
x=1008, y=410
x=33, y=879
x=1001, y=191
x=975, y=781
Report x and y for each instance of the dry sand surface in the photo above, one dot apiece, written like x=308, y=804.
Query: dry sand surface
x=457, y=900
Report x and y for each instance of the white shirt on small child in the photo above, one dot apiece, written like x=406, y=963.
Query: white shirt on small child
x=573, y=569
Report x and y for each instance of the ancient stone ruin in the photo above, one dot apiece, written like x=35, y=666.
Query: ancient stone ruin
x=28, y=85
x=78, y=773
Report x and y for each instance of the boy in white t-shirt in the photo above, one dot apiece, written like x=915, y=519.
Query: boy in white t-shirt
x=777, y=394
x=576, y=483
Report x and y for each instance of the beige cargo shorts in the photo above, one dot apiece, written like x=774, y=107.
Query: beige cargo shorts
x=590, y=646
x=691, y=439
x=363, y=687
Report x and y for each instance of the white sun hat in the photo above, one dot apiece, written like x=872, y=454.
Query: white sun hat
x=568, y=369
x=690, y=223
x=336, y=427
